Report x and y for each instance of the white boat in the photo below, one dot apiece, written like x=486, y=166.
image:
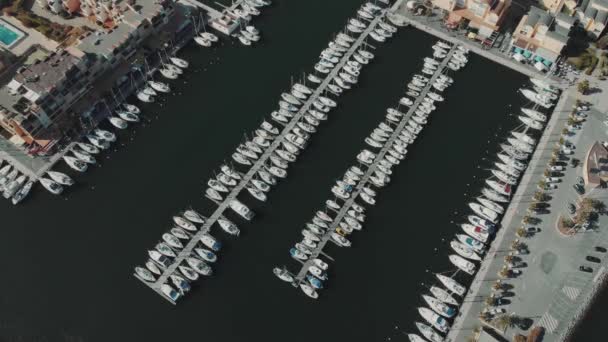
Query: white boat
x=493, y=195
x=257, y=194
x=298, y=254
x=537, y=98
x=478, y=221
x=464, y=250
x=511, y=162
x=523, y=137
x=321, y=264
x=513, y=152
x=88, y=148
x=52, y=186
x=211, y=242
x=60, y=178
x=182, y=222
x=193, y=216
x=283, y=274
x=107, y=135
x=202, y=42
x=439, y=307
x=216, y=185
x=434, y=319
x=520, y=145
x=451, y=284
x=172, y=241
x=166, y=73
x=309, y=290
x=472, y=243
x=462, y=264
x=491, y=205
x=117, y=122
x=484, y=212
x=534, y=114
x=429, y=333
x=503, y=177
x=340, y=240
x=214, y=195
x=168, y=291
x=241, y=159
x=127, y=116
x=199, y=266
x=367, y=198
x=180, y=233
x=85, y=157
x=165, y=250
x=314, y=79
x=98, y=142
x=501, y=188
x=188, y=272
x=206, y=254
x=159, y=86
x=13, y=186
x=75, y=163
x=229, y=227
x=22, y=193
x=145, y=274
x=530, y=122
x=443, y=295
x=180, y=283
x=226, y=180
x=476, y=232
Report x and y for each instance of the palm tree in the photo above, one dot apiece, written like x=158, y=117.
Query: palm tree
x=504, y=321
x=490, y=301
x=583, y=87
x=509, y=258
x=527, y=219
x=520, y=232
x=504, y=272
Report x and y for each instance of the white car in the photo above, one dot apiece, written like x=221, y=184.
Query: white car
x=557, y=168
x=549, y=186
x=582, y=108
x=566, y=150
x=552, y=180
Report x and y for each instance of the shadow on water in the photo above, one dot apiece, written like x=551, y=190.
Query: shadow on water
x=68, y=261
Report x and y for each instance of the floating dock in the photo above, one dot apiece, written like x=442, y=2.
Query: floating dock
x=261, y=162
x=300, y=276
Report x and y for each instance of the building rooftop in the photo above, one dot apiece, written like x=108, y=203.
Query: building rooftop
x=601, y=17
x=43, y=76
x=565, y=18
x=538, y=16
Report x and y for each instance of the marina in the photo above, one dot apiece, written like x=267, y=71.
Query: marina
x=372, y=167
x=169, y=266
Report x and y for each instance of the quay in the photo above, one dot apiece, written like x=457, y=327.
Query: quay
x=400, y=12
x=300, y=276
x=261, y=162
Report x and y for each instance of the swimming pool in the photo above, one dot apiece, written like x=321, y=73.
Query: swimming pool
x=9, y=34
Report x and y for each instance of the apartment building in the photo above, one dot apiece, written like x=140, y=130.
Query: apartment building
x=484, y=15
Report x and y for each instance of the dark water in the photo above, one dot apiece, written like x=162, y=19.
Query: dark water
x=68, y=261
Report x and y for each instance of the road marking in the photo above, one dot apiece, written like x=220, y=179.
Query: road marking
x=548, y=322
x=571, y=292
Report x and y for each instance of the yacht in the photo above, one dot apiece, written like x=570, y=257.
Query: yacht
x=314, y=281
x=182, y=222
x=226, y=180
x=352, y=222
x=267, y=177
x=166, y=73
x=127, y=116
x=503, y=177
x=367, y=198
x=209, y=36
x=476, y=232
x=531, y=122
x=216, y=185
x=257, y=194
x=520, y=145
x=144, y=274
x=172, y=241
x=131, y=108
x=478, y=221
x=462, y=264
x=268, y=127
x=117, y=122
x=340, y=240
x=165, y=250
x=159, y=86
x=202, y=42
x=199, y=266
x=211, y=242
x=214, y=195
x=143, y=97
x=434, y=319
x=545, y=86
x=539, y=99
x=60, y=178
x=22, y=193
x=277, y=161
x=354, y=29
x=193, y=216
x=493, y=195
x=323, y=216
x=484, y=212
x=512, y=162
x=501, y=188
x=534, y=114
x=314, y=79
x=443, y=295
x=309, y=290
x=13, y=186
x=523, y=137
x=439, y=307
x=464, y=251
x=471, y=243
x=107, y=135
x=429, y=333
x=297, y=254
x=188, y=272
x=206, y=254
x=229, y=227
x=491, y=205
x=85, y=157
x=277, y=172
x=52, y=186
x=88, y=148
x=180, y=233
x=285, y=155
x=149, y=91
x=283, y=274
x=98, y=141
x=180, y=283
x=509, y=170
x=241, y=159
x=170, y=292
x=451, y=284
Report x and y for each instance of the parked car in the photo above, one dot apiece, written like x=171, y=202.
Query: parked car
x=580, y=181
x=582, y=108
x=581, y=114
x=579, y=189
x=496, y=311
x=550, y=186
x=593, y=259
x=574, y=162
x=600, y=249
x=557, y=168
x=586, y=225
x=566, y=150
x=585, y=269
x=552, y=180
x=571, y=208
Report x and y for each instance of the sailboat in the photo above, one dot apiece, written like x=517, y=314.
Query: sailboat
x=434, y=319
x=462, y=264
x=439, y=306
x=464, y=250
x=451, y=284
x=429, y=333
x=443, y=295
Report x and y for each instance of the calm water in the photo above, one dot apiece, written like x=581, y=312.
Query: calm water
x=68, y=261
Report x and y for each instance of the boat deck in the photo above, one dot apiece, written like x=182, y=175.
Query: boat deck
x=300, y=276
x=257, y=166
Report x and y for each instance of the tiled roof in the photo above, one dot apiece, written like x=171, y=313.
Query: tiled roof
x=43, y=76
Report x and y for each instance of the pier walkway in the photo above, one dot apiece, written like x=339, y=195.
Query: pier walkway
x=257, y=166
x=370, y=170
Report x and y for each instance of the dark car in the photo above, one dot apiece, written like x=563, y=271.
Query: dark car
x=579, y=189
x=580, y=181
x=600, y=249
x=592, y=259
x=574, y=162
x=571, y=208
x=585, y=269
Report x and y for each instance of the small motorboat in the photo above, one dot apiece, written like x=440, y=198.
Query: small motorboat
x=451, y=284
x=182, y=222
x=283, y=274
x=462, y=264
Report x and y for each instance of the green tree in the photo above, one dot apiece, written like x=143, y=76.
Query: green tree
x=583, y=87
